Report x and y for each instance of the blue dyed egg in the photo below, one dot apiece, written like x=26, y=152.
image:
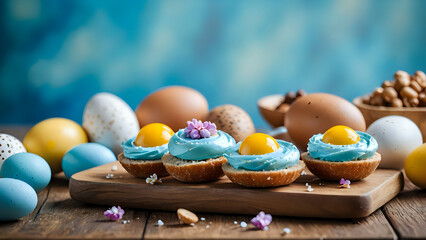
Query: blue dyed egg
x=29, y=168
x=85, y=156
x=17, y=199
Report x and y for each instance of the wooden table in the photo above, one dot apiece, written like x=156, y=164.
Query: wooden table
x=57, y=216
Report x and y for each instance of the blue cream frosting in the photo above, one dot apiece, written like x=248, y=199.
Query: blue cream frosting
x=364, y=149
x=286, y=156
x=132, y=151
x=199, y=149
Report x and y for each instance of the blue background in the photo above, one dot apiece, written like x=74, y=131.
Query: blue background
x=54, y=55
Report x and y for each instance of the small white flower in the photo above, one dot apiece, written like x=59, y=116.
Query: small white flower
x=203, y=219
x=309, y=189
x=109, y=176
x=243, y=224
x=114, y=168
x=235, y=222
x=160, y=223
x=286, y=230
x=153, y=179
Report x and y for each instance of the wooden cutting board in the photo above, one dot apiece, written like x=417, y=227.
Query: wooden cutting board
x=328, y=200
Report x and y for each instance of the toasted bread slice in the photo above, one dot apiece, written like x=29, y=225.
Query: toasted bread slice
x=263, y=178
x=350, y=170
x=142, y=168
x=194, y=171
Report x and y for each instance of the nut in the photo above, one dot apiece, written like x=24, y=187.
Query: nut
x=422, y=99
x=389, y=93
x=420, y=78
x=377, y=101
x=396, y=102
x=407, y=92
x=406, y=102
x=414, y=102
x=421, y=75
x=416, y=86
x=186, y=216
x=402, y=79
x=377, y=92
x=365, y=99
x=387, y=83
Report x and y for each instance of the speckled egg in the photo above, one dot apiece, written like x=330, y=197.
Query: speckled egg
x=173, y=106
x=397, y=137
x=9, y=145
x=108, y=120
x=17, y=199
x=232, y=120
x=85, y=156
x=29, y=168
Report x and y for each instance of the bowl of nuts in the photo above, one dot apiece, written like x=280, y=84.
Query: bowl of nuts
x=404, y=96
x=274, y=107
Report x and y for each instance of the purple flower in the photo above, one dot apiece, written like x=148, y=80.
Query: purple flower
x=114, y=213
x=197, y=129
x=262, y=220
x=345, y=183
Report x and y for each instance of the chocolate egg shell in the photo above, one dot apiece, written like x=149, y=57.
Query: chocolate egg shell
x=316, y=113
x=173, y=106
x=232, y=120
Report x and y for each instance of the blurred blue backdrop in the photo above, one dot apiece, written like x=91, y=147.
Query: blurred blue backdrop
x=56, y=54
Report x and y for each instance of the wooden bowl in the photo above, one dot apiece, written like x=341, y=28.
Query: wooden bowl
x=372, y=113
x=267, y=106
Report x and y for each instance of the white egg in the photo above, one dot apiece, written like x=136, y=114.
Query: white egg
x=397, y=136
x=9, y=145
x=108, y=120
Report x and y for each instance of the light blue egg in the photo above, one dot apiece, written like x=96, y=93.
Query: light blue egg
x=85, y=156
x=17, y=199
x=29, y=168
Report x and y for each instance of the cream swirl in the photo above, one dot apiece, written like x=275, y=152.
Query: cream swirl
x=199, y=149
x=286, y=156
x=132, y=151
x=364, y=149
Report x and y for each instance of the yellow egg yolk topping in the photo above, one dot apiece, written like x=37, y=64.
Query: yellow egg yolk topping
x=153, y=135
x=258, y=144
x=340, y=135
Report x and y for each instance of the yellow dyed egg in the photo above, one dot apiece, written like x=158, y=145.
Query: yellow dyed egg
x=153, y=135
x=340, y=135
x=52, y=138
x=258, y=144
x=415, y=166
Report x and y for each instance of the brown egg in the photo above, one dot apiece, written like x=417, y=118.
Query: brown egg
x=232, y=120
x=173, y=106
x=316, y=113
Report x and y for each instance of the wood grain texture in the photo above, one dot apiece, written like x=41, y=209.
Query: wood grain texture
x=222, y=227
x=61, y=217
x=223, y=196
x=407, y=212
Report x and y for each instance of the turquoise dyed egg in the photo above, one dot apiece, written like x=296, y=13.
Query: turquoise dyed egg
x=17, y=199
x=27, y=167
x=85, y=156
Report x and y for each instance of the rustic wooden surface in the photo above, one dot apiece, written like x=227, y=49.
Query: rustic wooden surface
x=57, y=216
x=328, y=200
